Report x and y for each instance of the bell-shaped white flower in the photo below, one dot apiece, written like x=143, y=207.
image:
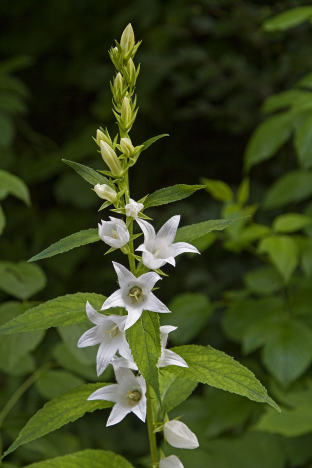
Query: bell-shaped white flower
x=133, y=208
x=114, y=232
x=128, y=395
x=135, y=294
x=179, y=435
x=167, y=358
x=170, y=462
x=108, y=333
x=159, y=248
x=105, y=192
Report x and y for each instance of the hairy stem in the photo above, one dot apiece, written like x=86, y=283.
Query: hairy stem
x=150, y=428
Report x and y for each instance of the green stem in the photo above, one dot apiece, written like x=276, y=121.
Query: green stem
x=22, y=389
x=17, y=395
x=150, y=428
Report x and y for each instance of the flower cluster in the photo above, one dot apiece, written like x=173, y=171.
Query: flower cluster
x=135, y=293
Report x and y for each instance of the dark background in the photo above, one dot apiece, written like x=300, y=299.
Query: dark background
x=206, y=69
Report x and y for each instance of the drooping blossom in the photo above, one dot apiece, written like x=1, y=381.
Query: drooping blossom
x=179, y=435
x=114, y=232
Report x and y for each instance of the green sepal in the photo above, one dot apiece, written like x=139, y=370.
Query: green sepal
x=160, y=272
x=110, y=250
x=105, y=205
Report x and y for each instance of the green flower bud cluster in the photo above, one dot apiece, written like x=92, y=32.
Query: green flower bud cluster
x=125, y=111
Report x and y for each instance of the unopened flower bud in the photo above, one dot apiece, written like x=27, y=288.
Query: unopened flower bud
x=127, y=147
x=111, y=159
x=101, y=136
x=131, y=71
x=106, y=192
x=170, y=462
x=179, y=435
x=118, y=84
x=127, y=41
x=126, y=112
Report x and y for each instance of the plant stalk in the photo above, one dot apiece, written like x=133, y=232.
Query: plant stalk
x=150, y=428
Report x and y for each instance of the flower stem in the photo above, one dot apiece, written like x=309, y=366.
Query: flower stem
x=150, y=428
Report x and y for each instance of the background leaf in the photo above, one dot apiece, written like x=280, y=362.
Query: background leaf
x=21, y=280
x=13, y=185
x=288, y=19
x=283, y=252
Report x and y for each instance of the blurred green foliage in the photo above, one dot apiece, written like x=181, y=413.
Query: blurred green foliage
x=210, y=75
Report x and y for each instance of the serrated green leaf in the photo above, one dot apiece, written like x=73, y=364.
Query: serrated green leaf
x=193, y=231
x=87, y=173
x=218, y=189
x=88, y=236
x=144, y=341
x=171, y=194
x=173, y=392
x=268, y=138
x=53, y=383
x=21, y=280
x=13, y=185
x=292, y=187
x=58, y=412
x=288, y=19
x=64, y=310
x=149, y=142
x=215, y=368
x=283, y=252
x=291, y=222
x=85, y=459
x=190, y=313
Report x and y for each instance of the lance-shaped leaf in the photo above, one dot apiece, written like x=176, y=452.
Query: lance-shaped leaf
x=85, y=459
x=64, y=310
x=88, y=174
x=193, y=231
x=58, y=412
x=144, y=342
x=78, y=239
x=171, y=194
x=215, y=368
x=149, y=142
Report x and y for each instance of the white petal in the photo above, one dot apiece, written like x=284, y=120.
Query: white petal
x=108, y=393
x=124, y=275
x=119, y=320
x=170, y=260
x=164, y=332
x=155, y=305
x=133, y=315
x=147, y=229
x=118, y=222
x=115, y=300
x=106, y=352
x=181, y=247
x=123, y=362
x=91, y=337
x=151, y=262
x=117, y=243
x=141, y=248
x=140, y=409
x=125, y=377
x=169, y=358
x=149, y=279
x=118, y=413
x=170, y=462
x=169, y=230
x=93, y=315
x=179, y=435
x=125, y=352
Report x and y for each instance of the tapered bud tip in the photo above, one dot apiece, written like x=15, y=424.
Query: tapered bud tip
x=105, y=192
x=127, y=147
x=126, y=112
x=127, y=40
x=110, y=158
x=100, y=136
